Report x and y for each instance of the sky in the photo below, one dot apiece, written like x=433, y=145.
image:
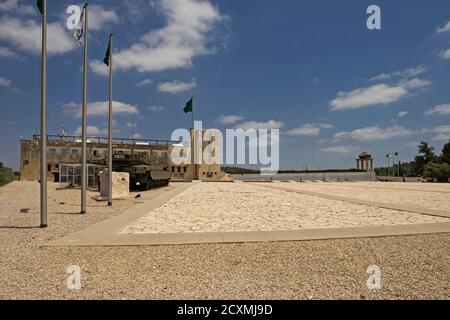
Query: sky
x=311, y=69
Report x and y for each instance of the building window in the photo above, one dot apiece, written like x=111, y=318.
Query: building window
x=173, y=169
x=25, y=162
x=52, y=151
x=49, y=167
x=74, y=152
x=63, y=152
x=184, y=169
x=95, y=152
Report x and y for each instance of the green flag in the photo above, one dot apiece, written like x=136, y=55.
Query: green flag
x=40, y=6
x=106, y=59
x=188, y=107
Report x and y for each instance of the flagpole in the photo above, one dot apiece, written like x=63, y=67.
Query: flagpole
x=193, y=138
x=84, y=113
x=110, y=155
x=192, y=99
x=43, y=142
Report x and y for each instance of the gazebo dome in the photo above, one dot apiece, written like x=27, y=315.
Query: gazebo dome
x=365, y=155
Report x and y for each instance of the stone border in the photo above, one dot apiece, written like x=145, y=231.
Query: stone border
x=156, y=239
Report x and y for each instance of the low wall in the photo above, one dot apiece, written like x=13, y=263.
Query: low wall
x=400, y=179
x=326, y=176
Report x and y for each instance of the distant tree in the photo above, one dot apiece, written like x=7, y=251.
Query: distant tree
x=424, y=157
x=438, y=171
x=6, y=175
x=446, y=153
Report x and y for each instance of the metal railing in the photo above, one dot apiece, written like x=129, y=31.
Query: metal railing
x=153, y=142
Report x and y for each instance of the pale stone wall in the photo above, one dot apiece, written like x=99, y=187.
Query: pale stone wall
x=120, y=184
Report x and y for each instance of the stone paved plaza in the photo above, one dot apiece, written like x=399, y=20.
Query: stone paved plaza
x=228, y=207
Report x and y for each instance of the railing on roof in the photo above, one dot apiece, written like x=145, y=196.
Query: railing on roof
x=153, y=142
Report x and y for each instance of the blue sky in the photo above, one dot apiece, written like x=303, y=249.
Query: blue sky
x=310, y=68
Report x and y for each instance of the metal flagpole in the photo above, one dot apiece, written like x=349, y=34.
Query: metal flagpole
x=110, y=155
x=193, y=139
x=84, y=114
x=192, y=100
x=43, y=142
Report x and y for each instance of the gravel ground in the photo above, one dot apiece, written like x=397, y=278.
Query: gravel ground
x=413, y=267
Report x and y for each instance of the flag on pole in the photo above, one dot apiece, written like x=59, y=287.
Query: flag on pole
x=40, y=6
x=189, y=106
x=78, y=31
x=106, y=59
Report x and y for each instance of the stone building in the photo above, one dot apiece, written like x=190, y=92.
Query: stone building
x=67, y=150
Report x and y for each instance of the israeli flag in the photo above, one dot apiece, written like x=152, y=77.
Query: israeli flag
x=78, y=31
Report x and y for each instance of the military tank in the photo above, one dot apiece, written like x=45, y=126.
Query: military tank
x=146, y=172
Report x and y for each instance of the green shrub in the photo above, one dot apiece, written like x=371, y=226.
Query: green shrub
x=438, y=171
x=6, y=175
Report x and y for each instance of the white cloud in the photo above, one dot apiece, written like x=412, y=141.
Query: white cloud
x=443, y=133
x=442, y=109
x=100, y=108
x=101, y=18
x=441, y=137
x=411, y=72
x=91, y=131
x=339, y=149
x=143, y=83
x=445, y=28
x=407, y=73
x=369, y=96
x=380, y=77
x=26, y=35
x=176, y=86
x=445, y=54
x=230, y=119
x=99, y=68
x=414, y=83
x=156, y=108
x=137, y=136
x=16, y=8
x=377, y=94
x=5, y=82
x=8, y=53
x=402, y=114
x=271, y=124
x=442, y=129
x=131, y=125
x=310, y=129
x=375, y=133
x=185, y=36
x=135, y=12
